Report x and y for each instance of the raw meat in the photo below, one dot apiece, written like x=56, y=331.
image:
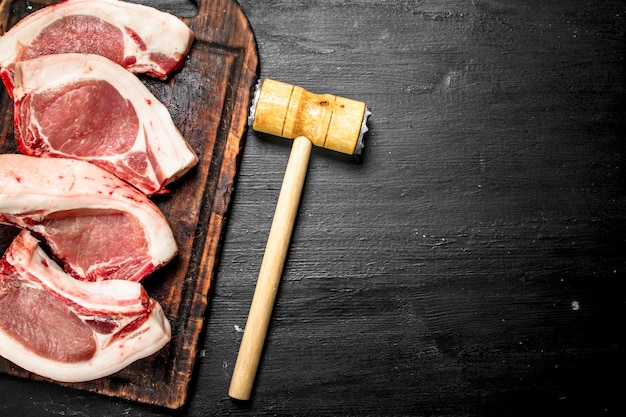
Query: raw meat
x=98, y=226
x=68, y=330
x=140, y=38
x=87, y=107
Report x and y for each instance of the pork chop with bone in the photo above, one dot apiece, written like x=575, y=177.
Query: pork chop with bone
x=68, y=330
x=137, y=37
x=97, y=225
x=85, y=106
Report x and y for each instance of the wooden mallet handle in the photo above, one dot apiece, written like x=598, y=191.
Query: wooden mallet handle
x=271, y=271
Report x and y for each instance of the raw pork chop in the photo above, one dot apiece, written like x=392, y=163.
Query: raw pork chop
x=68, y=330
x=140, y=38
x=87, y=107
x=97, y=225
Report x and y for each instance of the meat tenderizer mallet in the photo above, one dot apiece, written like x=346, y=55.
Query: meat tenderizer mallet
x=322, y=120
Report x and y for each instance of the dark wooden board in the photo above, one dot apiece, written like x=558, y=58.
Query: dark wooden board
x=208, y=100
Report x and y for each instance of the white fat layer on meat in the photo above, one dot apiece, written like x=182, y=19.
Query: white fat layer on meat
x=92, y=295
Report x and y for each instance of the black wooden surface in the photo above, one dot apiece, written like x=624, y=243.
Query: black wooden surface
x=472, y=263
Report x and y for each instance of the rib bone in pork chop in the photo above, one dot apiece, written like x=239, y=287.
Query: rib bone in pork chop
x=87, y=107
x=68, y=330
x=140, y=38
x=97, y=225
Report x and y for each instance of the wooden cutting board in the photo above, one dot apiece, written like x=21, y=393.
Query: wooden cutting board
x=209, y=100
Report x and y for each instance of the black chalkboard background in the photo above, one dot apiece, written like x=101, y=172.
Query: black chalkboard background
x=471, y=263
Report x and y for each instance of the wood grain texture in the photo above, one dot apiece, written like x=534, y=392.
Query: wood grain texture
x=472, y=263
x=208, y=100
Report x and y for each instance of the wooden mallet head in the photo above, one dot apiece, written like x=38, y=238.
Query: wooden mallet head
x=324, y=120
x=328, y=121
